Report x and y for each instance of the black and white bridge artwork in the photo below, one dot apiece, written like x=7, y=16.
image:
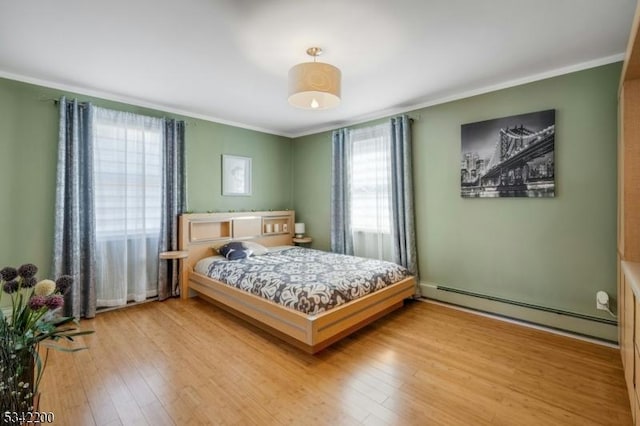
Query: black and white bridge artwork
x=509, y=157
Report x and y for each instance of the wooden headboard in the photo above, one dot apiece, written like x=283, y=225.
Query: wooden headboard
x=199, y=232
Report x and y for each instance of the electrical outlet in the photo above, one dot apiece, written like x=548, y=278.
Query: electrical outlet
x=602, y=301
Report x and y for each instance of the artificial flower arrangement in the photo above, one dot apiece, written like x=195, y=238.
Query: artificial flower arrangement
x=35, y=318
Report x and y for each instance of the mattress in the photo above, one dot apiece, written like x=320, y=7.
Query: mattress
x=307, y=280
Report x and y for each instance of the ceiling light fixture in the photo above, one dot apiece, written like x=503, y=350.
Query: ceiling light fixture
x=314, y=85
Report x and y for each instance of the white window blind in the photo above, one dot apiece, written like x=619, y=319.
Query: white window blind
x=370, y=179
x=127, y=174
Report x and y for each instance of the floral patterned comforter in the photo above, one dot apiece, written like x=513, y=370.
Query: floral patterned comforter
x=310, y=281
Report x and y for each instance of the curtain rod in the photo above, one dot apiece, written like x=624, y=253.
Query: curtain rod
x=80, y=104
x=56, y=102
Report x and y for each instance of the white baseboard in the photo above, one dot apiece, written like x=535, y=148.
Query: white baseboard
x=580, y=326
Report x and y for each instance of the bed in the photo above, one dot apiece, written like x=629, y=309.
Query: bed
x=309, y=317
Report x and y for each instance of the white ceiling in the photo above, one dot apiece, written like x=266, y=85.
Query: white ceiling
x=227, y=60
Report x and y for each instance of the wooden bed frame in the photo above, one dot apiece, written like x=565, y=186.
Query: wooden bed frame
x=198, y=233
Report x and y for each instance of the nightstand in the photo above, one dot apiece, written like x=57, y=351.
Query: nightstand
x=178, y=255
x=303, y=240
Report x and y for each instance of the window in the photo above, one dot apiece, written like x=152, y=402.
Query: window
x=370, y=191
x=127, y=173
x=370, y=179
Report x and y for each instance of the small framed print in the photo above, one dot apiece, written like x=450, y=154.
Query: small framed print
x=236, y=175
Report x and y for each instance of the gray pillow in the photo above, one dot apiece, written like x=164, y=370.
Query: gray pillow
x=234, y=251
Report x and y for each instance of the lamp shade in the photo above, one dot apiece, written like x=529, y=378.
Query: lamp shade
x=299, y=228
x=314, y=85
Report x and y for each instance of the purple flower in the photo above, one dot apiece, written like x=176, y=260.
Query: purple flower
x=27, y=270
x=37, y=302
x=55, y=301
x=11, y=286
x=29, y=282
x=8, y=273
x=64, y=283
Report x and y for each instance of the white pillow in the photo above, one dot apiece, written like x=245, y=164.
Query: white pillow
x=257, y=249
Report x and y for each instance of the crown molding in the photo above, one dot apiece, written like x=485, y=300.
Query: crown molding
x=134, y=101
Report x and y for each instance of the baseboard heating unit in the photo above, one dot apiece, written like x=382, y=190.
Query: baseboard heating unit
x=581, y=324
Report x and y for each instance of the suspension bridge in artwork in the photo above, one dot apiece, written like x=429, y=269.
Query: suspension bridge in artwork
x=519, y=163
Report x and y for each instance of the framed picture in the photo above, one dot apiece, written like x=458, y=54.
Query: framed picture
x=236, y=175
x=509, y=156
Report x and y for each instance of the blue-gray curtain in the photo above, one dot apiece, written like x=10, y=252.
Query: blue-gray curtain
x=74, y=240
x=341, y=239
x=403, y=217
x=173, y=204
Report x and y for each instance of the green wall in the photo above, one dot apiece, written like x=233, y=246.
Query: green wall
x=551, y=252
x=28, y=159
x=312, y=186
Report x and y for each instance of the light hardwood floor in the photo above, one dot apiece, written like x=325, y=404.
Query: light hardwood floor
x=189, y=363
